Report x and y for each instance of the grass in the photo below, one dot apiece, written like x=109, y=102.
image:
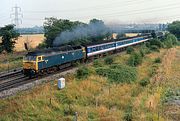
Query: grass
x=95, y=99
x=11, y=61
x=32, y=40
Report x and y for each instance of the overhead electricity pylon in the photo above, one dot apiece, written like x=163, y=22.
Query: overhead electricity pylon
x=16, y=16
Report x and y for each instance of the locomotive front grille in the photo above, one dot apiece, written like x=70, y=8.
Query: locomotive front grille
x=29, y=65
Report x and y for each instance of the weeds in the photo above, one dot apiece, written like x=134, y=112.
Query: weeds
x=157, y=60
x=135, y=59
x=82, y=73
x=129, y=50
x=144, y=82
x=118, y=73
x=108, y=60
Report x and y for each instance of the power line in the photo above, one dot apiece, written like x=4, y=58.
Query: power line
x=94, y=8
x=134, y=12
x=17, y=16
x=105, y=6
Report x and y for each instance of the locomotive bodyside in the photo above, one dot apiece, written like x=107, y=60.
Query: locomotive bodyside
x=38, y=62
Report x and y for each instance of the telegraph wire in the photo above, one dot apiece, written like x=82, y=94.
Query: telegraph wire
x=87, y=8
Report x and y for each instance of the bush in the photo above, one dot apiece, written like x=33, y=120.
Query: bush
x=42, y=45
x=108, y=60
x=156, y=42
x=135, y=59
x=144, y=82
x=128, y=113
x=144, y=50
x=172, y=38
x=118, y=73
x=82, y=73
x=168, y=44
x=97, y=63
x=92, y=116
x=130, y=50
x=148, y=44
x=154, y=48
x=157, y=60
x=167, y=95
x=153, y=70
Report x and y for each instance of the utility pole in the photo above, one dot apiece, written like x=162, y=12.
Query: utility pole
x=17, y=16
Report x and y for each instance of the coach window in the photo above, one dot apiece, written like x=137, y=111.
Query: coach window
x=94, y=49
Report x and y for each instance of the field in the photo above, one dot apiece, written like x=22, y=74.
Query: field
x=32, y=40
x=14, y=60
x=95, y=99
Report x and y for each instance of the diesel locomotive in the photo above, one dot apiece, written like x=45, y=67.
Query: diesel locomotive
x=49, y=60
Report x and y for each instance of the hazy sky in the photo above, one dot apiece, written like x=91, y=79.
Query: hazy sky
x=111, y=11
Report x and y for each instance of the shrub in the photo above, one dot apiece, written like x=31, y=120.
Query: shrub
x=82, y=73
x=144, y=50
x=168, y=43
x=153, y=70
x=128, y=113
x=144, y=82
x=92, y=116
x=42, y=45
x=156, y=42
x=154, y=48
x=130, y=50
x=167, y=95
x=135, y=59
x=118, y=73
x=148, y=44
x=157, y=60
x=172, y=38
x=108, y=60
x=97, y=63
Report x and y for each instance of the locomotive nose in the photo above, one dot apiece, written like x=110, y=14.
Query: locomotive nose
x=29, y=65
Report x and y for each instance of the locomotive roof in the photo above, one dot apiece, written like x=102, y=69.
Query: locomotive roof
x=52, y=50
x=111, y=40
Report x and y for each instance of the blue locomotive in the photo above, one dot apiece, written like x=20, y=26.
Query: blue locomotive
x=45, y=61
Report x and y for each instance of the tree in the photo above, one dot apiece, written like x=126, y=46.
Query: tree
x=62, y=32
x=170, y=40
x=9, y=35
x=101, y=30
x=53, y=27
x=174, y=28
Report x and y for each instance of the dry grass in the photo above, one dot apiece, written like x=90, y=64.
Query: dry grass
x=97, y=100
x=11, y=61
x=32, y=40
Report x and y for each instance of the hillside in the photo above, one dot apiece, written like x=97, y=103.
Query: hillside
x=96, y=98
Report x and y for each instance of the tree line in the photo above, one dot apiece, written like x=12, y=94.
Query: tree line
x=53, y=27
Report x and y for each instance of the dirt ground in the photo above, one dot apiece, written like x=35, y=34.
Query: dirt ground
x=32, y=41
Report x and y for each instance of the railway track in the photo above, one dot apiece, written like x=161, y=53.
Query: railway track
x=10, y=71
x=10, y=74
x=18, y=79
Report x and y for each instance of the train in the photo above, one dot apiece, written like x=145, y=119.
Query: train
x=49, y=60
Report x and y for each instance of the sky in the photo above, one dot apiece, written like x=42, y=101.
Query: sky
x=110, y=11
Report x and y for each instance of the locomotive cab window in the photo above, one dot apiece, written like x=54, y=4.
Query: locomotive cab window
x=39, y=58
x=30, y=58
